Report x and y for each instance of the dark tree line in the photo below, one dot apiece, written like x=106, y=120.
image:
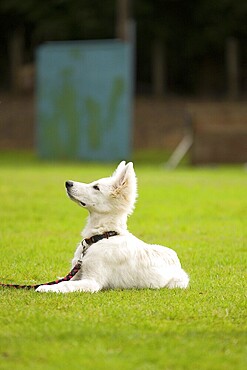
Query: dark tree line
x=183, y=46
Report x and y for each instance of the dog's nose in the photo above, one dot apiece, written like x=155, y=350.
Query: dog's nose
x=68, y=184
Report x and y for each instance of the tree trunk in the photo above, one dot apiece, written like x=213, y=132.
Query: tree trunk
x=232, y=68
x=159, y=83
x=122, y=19
x=16, y=45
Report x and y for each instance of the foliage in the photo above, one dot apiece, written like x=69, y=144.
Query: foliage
x=192, y=30
x=201, y=213
x=63, y=19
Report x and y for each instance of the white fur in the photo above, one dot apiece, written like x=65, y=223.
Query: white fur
x=122, y=261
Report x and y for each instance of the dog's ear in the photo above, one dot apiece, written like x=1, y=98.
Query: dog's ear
x=119, y=169
x=123, y=174
x=124, y=181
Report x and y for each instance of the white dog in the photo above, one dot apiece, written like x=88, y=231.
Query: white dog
x=113, y=258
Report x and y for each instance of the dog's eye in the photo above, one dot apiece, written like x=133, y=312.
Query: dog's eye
x=96, y=187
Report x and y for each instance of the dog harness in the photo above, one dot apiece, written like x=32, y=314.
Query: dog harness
x=86, y=243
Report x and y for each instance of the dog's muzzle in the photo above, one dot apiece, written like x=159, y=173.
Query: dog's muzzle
x=69, y=185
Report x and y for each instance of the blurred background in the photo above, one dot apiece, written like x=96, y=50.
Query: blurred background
x=170, y=81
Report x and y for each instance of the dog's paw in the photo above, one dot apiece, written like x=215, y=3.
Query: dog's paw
x=71, y=286
x=51, y=288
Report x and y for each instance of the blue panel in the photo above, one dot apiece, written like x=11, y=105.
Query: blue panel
x=84, y=107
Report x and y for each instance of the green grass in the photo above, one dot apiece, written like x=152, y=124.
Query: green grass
x=201, y=213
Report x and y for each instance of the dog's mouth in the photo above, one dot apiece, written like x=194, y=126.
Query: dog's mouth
x=76, y=200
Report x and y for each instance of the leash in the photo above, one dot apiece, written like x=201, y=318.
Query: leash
x=75, y=269
x=68, y=277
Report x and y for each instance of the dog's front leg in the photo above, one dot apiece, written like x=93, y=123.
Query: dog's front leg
x=84, y=285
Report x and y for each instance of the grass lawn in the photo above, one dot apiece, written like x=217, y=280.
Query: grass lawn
x=201, y=213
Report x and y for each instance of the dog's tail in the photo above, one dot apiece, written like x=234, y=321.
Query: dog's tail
x=180, y=279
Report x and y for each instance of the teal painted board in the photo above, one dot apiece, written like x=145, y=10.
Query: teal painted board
x=84, y=100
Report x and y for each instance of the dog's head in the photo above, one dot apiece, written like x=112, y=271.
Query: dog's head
x=108, y=195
